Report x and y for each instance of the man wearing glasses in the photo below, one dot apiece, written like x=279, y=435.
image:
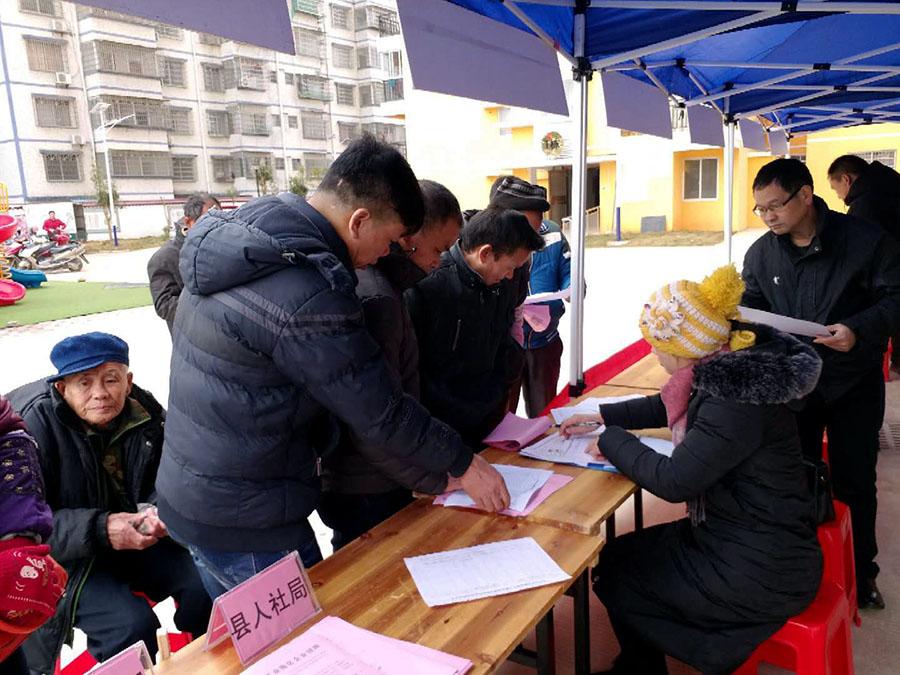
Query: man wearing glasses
x=823, y=266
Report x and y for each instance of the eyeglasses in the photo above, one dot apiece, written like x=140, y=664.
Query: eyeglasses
x=763, y=210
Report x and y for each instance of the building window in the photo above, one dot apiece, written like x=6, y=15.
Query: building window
x=213, y=77
x=169, y=32
x=886, y=157
x=342, y=55
x=245, y=73
x=313, y=87
x=345, y=94
x=45, y=7
x=366, y=57
x=314, y=126
x=45, y=55
x=395, y=134
x=371, y=94
x=183, y=168
x=276, y=120
x=392, y=62
x=701, y=178
x=348, y=131
x=137, y=112
x=297, y=164
x=209, y=39
x=292, y=121
x=221, y=169
x=178, y=121
x=171, y=71
x=273, y=76
x=62, y=166
x=310, y=7
x=136, y=164
x=218, y=123
x=244, y=164
x=308, y=42
x=393, y=89
x=316, y=165
x=340, y=17
x=54, y=111
x=289, y=78
x=250, y=120
x=115, y=57
x=279, y=163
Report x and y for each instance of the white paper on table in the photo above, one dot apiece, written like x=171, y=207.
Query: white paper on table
x=483, y=571
x=660, y=445
x=561, y=450
x=589, y=406
x=786, y=324
x=564, y=294
x=521, y=483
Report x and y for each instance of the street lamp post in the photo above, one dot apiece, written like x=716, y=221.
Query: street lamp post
x=103, y=131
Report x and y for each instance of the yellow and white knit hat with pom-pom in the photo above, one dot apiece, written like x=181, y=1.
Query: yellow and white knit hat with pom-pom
x=693, y=320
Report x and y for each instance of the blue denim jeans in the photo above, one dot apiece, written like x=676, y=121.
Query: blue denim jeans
x=223, y=570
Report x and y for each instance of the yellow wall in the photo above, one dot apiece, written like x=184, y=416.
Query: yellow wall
x=607, y=195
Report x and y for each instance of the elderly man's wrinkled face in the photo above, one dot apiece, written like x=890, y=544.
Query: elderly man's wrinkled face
x=97, y=395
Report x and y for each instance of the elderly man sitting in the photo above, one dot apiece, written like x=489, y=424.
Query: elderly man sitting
x=99, y=440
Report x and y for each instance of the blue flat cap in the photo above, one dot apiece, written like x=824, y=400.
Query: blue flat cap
x=82, y=352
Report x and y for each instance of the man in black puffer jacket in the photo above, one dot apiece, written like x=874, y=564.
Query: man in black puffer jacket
x=271, y=352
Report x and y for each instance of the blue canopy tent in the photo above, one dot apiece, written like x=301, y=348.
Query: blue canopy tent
x=744, y=58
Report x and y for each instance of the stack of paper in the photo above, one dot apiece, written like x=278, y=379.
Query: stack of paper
x=521, y=483
x=589, y=406
x=514, y=432
x=483, y=571
x=564, y=294
x=555, y=483
x=335, y=647
x=561, y=450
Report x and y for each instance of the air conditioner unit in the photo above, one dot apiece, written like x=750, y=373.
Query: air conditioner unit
x=63, y=79
x=77, y=140
x=59, y=26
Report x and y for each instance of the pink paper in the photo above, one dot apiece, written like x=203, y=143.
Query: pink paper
x=515, y=432
x=556, y=482
x=263, y=609
x=537, y=316
x=135, y=660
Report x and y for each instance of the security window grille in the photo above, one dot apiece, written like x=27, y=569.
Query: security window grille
x=218, y=123
x=183, y=168
x=310, y=7
x=135, y=112
x=366, y=57
x=273, y=76
x=244, y=164
x=679, y=117
x=84, y=12
x=312, y=87
x=169, y=32
x=292, y=121
x=381, y=19
x=345, y=94
x=209, y=39
x=178, y=121
x=250, y=120
x=115, y=57
x=221, y=168
x=348, y=131
x=297, y=164
x=44, y=55
x=276, y=120
x=245, y=73
x=45, y=7
x=136, y=164
x=886, y=157
x=342, y=56
x=308, y=42
x=392, y=63
x=393, y=89
x=279, y=163
x=371, y=94
x=316, y=165
x=315, y=126
x=54, y=111
x=340, y=17
x=213, y=77
x=289, y=78
x=701, y=177
x=387, y=133
x=171, y=71
x=62, y=166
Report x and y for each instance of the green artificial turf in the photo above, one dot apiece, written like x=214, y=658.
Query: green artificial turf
x=63, y=299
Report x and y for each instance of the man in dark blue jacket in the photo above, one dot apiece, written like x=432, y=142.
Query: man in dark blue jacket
x=550, y=272
x=271, y=352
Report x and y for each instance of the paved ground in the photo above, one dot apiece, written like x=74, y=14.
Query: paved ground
x=619, y=281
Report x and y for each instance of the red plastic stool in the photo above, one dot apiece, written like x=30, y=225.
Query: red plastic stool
x=836, y=540
x=815, y=642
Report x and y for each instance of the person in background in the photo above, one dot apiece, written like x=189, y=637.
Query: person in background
x=871, y=192
x=709, y=588
x=53, y=224
x=165, y=279
x=271, y=356
x=463, y=314
x=358, y=493
x=842, y=272
x=550, y=272
x=99, y=439
x=31, y=582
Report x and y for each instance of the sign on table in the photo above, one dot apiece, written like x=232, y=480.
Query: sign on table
x=135, y=660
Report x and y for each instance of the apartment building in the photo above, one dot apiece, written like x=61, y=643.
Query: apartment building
x=192, y=111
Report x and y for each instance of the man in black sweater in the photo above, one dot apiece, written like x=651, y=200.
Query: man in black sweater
x=823, y=266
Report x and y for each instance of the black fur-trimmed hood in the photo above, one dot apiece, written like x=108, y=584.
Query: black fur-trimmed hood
x=779, y=368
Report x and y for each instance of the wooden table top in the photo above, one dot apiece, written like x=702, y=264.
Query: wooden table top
x=645, y=373
x=367, y=584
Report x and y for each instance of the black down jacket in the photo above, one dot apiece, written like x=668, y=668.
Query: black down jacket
x=875, y=196
x=165, y=279
x=270, y=352
x=709, y=593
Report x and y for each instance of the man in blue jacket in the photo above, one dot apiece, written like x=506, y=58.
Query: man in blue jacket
x=550, y=272
x=271, y=352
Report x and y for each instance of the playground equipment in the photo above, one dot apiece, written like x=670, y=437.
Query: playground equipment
x=10, y=291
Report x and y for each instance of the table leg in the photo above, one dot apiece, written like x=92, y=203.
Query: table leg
x=546, y=645
x=582, y=627
x=611, y=527
x=638, y=510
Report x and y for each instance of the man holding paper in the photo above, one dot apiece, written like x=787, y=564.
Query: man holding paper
x=819, y=265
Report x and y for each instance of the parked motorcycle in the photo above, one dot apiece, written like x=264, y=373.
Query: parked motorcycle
x=30, y=252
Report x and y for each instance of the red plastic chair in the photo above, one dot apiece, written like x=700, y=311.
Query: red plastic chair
x=836, y=540
x=815, y=642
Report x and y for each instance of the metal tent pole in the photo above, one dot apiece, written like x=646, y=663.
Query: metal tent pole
x=730, y=123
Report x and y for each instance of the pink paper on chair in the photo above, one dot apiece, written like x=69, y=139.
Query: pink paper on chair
x=556, y=482
x=513, y=433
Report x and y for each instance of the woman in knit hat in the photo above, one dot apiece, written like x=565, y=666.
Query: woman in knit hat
x=709, y=588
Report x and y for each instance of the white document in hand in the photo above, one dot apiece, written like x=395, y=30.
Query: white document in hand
x=521, y=483
x=561, y=450
x=589, y=406
x=564, y=294
x=483, y=571
x=786, y=324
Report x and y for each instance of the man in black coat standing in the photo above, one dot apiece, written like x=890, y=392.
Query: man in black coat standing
x=819, y=265
x=165, y=279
